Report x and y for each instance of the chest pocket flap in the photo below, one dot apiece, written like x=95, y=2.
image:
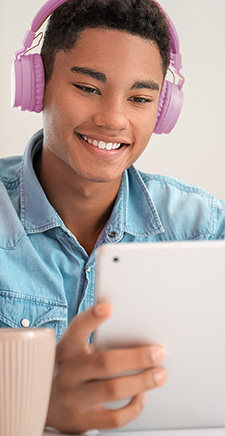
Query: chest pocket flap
x=17, y=311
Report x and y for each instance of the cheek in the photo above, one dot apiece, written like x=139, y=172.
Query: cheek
x=58, y=119
x=145, y=118
x=56, y=104
x=145, y=126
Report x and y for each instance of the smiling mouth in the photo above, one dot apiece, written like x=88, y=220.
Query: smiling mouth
x=101, y=144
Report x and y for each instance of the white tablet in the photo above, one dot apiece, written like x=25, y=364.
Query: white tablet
x=171, y=293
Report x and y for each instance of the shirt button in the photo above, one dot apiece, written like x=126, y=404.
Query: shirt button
x=25, y=322
x=112, y=234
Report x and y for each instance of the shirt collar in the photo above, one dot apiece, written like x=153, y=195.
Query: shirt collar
x=37, y=214
x=133, y=213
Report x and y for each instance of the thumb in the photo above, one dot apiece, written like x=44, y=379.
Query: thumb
x=78, y=332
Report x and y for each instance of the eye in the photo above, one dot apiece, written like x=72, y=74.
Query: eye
x=140, y=100
x=86, y=89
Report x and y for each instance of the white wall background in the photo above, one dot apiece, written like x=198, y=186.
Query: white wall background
x=195, y=150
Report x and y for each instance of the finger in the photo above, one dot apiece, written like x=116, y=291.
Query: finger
x=105, y=419
x=78, y=332
x=113, y=362
x=120, y=388
x=88, y=321
x=120, y=417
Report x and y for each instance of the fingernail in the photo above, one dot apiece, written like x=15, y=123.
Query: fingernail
x=160, y=376
x=143, y=400
x=102, y=309
x=157, y=354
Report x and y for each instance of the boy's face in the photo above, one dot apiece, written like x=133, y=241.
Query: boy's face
x=103, y=93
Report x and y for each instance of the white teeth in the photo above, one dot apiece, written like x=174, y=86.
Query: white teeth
x=101, y=144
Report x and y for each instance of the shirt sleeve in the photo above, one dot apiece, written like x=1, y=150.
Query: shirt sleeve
x=220, y=230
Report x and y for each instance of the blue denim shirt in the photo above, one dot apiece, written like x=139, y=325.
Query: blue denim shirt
x=46, y=277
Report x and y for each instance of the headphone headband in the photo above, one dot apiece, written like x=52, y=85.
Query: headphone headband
x=44, y=13
x=51, y=5
x=36, y=76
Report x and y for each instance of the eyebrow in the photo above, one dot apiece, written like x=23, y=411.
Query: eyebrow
x=147, y=84
x=91, y=73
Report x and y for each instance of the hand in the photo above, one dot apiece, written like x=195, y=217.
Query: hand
x=83, y=384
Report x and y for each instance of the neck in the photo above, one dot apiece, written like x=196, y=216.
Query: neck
x=83, y=205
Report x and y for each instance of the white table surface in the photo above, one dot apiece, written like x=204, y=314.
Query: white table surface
x=199, y=432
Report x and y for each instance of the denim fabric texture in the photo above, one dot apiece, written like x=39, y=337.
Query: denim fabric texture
x=46, y=277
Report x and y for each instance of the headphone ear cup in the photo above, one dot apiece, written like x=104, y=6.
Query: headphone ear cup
x=169, y=107
x=16, y=83
x=38, y=82
x=28, y=81
x=162, y=99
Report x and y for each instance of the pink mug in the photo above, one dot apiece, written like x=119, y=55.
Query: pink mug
x=26, y=370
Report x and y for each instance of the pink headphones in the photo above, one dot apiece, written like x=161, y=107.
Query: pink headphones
x=28, y=79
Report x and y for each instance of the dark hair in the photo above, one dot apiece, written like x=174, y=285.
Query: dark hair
x=138, y=17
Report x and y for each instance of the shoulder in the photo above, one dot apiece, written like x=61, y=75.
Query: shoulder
x=10, y=171
x=166, y=183
x=190, y=209
x=10, y=226
x=10, y=180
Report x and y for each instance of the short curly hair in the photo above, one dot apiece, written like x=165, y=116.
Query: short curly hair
x=138, y=17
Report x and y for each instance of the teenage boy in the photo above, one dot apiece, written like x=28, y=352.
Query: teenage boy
x=75, y=188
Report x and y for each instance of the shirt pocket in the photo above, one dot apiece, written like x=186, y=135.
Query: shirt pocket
x=21, y=311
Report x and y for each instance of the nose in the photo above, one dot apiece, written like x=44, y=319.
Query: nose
x=111, y=115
